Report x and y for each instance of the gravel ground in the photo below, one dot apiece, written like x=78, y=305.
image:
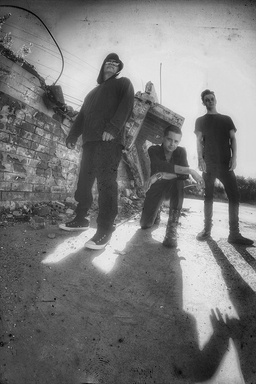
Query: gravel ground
x=133, y=313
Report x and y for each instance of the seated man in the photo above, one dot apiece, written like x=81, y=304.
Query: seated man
x=169, y=169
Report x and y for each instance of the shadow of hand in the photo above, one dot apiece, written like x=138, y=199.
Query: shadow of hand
x=219, y=325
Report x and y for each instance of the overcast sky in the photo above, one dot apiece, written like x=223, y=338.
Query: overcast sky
x=200, y=44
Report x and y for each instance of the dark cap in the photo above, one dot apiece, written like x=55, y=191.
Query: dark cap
x=114, y=56
x=111, y=56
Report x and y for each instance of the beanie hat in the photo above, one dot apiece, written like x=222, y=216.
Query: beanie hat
x=111, y=56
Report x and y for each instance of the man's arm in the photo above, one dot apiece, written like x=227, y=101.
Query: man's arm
x=199, y=145
x=159, y=176
x=232, y=162
x=76, y=128
x=188, y=171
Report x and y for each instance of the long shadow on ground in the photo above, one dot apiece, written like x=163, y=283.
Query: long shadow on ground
x=164, y=345
x=242, y=331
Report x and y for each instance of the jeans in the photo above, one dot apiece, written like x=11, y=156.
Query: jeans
x=100, y=161
x=228, y=179
x=160, y=191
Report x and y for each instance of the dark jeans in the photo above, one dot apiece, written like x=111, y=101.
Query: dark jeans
x=160, y=191
x=228, y=179
x=100, y=161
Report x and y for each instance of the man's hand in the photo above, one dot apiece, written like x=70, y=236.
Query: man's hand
x=107, y=136
x=232, y=164
x=198, y=179
x=219, y=323
x=149, y=182
x=201, y=165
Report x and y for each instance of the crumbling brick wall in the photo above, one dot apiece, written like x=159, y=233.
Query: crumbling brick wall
x=35, y=164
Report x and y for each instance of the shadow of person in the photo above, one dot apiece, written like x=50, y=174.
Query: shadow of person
x=246, y=255
x=242, y=331
x=163, y=347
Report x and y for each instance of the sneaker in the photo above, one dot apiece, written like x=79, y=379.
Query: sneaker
x=99, y=240
x=204, y=235
x=76, y=225
x=239, y=239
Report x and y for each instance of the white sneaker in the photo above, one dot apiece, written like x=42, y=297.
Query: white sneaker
x=99, y=240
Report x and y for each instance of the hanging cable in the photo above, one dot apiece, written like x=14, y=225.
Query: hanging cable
x=32, y=13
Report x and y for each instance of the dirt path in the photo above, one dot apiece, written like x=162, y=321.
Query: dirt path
x=133, y=313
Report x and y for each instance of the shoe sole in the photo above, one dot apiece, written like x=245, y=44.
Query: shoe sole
x=203, y=239
x=70, y=229
x=92, y=245
x=240, y=243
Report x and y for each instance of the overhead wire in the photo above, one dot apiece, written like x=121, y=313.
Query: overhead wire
x=32, y=13
x=51, y=52
x=50, y=43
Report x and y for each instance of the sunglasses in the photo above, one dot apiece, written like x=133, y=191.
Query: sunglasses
x=113, y=63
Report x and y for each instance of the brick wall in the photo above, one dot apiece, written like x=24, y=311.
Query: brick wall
x=35, y=164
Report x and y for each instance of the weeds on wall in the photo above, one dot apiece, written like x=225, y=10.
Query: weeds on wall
x=6, y=40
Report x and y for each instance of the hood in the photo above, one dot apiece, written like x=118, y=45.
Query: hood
x=111, y=56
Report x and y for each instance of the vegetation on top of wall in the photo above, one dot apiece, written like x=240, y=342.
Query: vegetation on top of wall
x=246, y=188
x=6, y=43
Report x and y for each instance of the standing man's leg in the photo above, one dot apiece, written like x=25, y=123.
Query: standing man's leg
x=87, y=174
x=108, y=156
x=228, y=179
x=209, y=179
x=176, y=195
x=83, y=194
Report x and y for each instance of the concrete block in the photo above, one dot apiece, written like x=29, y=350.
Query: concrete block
x=37, y=222
x=58, y=206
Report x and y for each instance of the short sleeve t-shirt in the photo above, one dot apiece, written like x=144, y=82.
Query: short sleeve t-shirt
x=215, y=129
x=158, y=162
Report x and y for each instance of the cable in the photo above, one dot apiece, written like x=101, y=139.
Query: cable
x=38, y=45
x=32, y=13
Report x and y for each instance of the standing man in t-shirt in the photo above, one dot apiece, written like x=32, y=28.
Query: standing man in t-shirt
x=217, y=152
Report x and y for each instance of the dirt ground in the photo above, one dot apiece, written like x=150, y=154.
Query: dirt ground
x=133, y=313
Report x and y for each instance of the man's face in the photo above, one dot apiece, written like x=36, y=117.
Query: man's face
x=209, y=101
x=111, y=66
x=171, y=141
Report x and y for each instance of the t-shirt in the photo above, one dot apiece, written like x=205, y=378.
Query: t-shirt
x=215, y=130
x=158, y=162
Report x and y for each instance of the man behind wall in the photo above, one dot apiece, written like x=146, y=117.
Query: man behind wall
x=169, y=169
x=100, y=122
x=217, y=152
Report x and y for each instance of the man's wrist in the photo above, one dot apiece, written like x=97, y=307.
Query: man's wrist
x=159, y=175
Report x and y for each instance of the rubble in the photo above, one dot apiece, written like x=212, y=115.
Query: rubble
x=40, y=214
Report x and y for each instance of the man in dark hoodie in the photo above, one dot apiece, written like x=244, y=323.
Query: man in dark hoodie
x=100, y=122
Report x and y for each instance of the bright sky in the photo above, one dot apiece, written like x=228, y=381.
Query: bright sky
x=200, y=45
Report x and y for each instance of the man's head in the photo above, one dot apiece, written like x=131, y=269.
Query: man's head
x=111, y=66
x=208, y=99
x=172, y=138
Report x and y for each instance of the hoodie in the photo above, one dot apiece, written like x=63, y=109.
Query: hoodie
x=105, y=109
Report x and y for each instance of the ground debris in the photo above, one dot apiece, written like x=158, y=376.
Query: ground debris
x=40, y=214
